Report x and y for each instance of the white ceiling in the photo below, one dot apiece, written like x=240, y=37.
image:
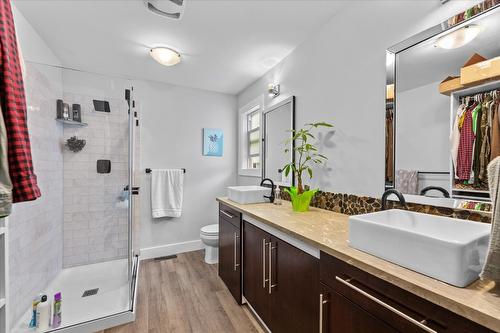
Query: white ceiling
x=226, y=45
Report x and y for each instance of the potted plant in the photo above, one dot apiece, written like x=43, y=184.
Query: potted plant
x=307, y=155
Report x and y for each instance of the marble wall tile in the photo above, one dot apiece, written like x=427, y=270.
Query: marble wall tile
x=95, y=219
x=36, y=227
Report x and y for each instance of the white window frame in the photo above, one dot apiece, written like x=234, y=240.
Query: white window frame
x=257, y=105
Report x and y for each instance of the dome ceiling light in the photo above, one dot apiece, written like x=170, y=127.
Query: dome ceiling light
x=165, y=56
x=458, y=38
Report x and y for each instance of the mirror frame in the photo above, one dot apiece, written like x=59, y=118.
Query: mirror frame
x=289, y=100
x=443, y=28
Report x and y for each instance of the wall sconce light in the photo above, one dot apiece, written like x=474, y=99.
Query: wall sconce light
x=273, y=89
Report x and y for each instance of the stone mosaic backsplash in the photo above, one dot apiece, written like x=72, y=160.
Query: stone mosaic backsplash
x=351, y=204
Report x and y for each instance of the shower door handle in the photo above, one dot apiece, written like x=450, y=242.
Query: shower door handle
x=135, y=189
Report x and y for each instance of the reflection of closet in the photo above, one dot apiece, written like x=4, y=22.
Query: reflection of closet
x=475, y=138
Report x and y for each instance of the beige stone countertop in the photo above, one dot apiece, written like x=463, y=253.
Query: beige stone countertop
x=328, y=231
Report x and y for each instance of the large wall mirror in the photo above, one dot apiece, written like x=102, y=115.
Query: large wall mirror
x=278, y=120
x=442, y=114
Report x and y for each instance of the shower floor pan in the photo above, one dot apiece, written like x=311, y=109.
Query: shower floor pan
x=94, y=297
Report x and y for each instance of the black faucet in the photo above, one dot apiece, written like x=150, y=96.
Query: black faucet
x=390, y=191
x=272, y=196
x=424, y=191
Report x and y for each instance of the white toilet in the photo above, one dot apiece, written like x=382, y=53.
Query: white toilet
x=209, y=235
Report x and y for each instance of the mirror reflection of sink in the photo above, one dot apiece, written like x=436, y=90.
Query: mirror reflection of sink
x=447, y=249
x=248, y=194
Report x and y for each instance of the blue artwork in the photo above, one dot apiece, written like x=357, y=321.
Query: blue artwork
x=213, y=142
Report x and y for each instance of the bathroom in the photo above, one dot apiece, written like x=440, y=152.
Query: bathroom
x=160, y=131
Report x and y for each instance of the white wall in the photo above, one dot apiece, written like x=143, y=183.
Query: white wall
x=338, y=75
x=172, y=119
x=422, y=133
x=33, y=47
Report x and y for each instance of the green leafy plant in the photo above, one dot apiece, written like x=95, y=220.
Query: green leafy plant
x=306, y=152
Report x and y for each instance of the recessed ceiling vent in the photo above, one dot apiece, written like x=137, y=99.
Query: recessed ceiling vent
x=172, y=9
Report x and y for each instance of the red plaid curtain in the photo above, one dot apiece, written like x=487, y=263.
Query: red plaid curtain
x=13, y=101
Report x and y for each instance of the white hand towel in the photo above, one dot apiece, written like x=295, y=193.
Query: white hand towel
x=166, y=192
x=491, y=269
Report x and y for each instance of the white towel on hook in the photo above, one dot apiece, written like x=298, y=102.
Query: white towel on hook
x=166, y=192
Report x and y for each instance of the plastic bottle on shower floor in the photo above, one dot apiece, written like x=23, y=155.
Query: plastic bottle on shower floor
x=34, y=304
x=43, y=315
x=56, y=312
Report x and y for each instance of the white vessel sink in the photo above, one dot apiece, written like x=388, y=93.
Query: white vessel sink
x=248, y=194
x=447, y=249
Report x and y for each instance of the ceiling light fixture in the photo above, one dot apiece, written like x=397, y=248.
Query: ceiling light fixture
x=458, y=38
x=165, y=56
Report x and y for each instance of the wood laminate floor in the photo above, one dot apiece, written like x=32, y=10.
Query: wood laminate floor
x=185, y=295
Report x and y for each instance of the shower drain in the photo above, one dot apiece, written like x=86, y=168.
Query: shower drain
x=90, y=292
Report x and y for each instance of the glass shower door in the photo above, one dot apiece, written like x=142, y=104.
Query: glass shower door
x=134, y=188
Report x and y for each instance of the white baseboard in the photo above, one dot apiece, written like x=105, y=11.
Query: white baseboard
x=170, y=249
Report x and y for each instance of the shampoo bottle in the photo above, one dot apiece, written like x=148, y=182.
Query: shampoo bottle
x=56, y=312
x=34, y=304
x=43, y=315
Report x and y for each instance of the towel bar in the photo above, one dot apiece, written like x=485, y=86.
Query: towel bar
x=148, y=170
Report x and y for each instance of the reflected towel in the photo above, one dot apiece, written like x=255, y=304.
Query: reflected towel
x=491, y=269
x=166, y=192
x=407, y=181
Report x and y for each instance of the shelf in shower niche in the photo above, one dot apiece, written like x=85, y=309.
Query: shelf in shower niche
x=71, y=122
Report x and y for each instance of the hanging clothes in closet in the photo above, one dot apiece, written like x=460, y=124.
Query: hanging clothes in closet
x=475, y=139
x=13, y=105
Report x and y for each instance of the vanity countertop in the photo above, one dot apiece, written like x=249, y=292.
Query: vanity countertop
x=328, y=231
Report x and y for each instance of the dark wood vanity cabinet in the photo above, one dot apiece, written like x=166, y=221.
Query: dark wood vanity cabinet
x=353, y=300
x=230, y=250
x=339, y=314
x=280, y=282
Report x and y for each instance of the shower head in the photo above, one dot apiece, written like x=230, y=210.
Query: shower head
x=172, y=9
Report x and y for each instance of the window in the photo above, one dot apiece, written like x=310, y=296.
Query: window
x=250, y=139
x=253, y=140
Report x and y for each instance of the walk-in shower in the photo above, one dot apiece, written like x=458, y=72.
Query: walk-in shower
x=78, y=238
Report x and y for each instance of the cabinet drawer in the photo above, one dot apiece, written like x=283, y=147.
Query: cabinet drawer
x=399, y=308
x=229, y=214
x=340, y=315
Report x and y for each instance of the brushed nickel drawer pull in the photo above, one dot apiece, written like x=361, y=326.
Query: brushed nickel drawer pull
x=385, y=305
x=270, y=285
x=322, y=301
x=235, y=251
x=226, y=214
x=264, y=280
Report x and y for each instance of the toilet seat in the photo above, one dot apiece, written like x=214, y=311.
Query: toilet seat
x=210, y=230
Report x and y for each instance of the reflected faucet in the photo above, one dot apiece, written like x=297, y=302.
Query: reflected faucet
x=272, y=196
x=424, y=191
x=390, y=191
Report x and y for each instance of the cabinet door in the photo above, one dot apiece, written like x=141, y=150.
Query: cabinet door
x=229, y=257
x=255, y=245
x=293, y=289
x=340, y=315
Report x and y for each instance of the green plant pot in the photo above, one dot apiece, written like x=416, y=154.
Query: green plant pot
x=300, y=202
